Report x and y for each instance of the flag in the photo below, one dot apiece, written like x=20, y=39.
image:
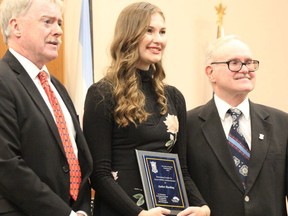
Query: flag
x=85, y=38
x=78, y=57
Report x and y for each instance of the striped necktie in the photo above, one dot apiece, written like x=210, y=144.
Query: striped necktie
x=238, y=146
x=75, y=172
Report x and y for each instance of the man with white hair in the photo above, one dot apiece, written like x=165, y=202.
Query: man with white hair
x=237, y=149
x=44, y=159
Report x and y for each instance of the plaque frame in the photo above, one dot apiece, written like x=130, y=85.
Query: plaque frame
x=143, y=159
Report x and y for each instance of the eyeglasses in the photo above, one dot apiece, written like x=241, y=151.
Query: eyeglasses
x=236, y=65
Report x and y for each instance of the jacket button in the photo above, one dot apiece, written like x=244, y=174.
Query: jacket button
x=247, y=199
x=65, y=169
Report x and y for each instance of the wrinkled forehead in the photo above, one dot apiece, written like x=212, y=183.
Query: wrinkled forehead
x=48, y=8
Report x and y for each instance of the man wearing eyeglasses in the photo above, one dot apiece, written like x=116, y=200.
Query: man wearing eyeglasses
x=237, y=149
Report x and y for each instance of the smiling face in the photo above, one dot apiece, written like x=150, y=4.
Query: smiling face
x=231, y=86
x=153, y=43
x=37, y=34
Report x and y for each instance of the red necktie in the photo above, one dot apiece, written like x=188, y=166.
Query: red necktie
x=75, y=173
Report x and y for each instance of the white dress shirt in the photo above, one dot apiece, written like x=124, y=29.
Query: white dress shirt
x=226, y=119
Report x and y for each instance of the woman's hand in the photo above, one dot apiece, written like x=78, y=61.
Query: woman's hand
x=158, y=211
x=195, y=211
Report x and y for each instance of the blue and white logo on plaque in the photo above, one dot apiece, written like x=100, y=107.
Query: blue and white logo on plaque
x=154, y=167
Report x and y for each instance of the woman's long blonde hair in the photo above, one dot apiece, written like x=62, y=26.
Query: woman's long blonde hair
x=131, y=26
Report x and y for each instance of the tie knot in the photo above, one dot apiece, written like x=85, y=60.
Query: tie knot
x=42, y=77
x=235, y=113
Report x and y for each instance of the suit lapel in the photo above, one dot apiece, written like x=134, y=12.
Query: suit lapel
x=28, y=84
x=33, y=92
x=216, y=138
x=260, y=130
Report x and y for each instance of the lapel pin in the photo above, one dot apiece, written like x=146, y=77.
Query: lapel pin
x=261, y=136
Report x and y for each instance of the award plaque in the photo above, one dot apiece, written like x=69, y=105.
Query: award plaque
x=162, y=180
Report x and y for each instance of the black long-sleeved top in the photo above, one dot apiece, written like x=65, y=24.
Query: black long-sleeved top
x=116, y=177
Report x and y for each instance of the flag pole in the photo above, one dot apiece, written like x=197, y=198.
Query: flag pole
x=91, y=28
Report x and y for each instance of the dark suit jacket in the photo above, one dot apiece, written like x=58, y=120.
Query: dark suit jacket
x=34, y=176
x=212, y=168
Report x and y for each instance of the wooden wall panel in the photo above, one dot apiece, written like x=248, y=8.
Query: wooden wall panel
x=3, y=48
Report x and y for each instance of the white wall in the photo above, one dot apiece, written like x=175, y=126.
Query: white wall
x=191, y=25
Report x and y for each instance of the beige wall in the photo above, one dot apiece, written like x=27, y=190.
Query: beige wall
x=191, y=25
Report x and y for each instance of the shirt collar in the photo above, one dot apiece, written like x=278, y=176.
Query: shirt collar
x=31, y=68
x=223, y=107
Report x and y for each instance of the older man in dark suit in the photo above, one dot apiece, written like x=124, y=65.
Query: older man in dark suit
x=237, y=150
x=44, y=159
